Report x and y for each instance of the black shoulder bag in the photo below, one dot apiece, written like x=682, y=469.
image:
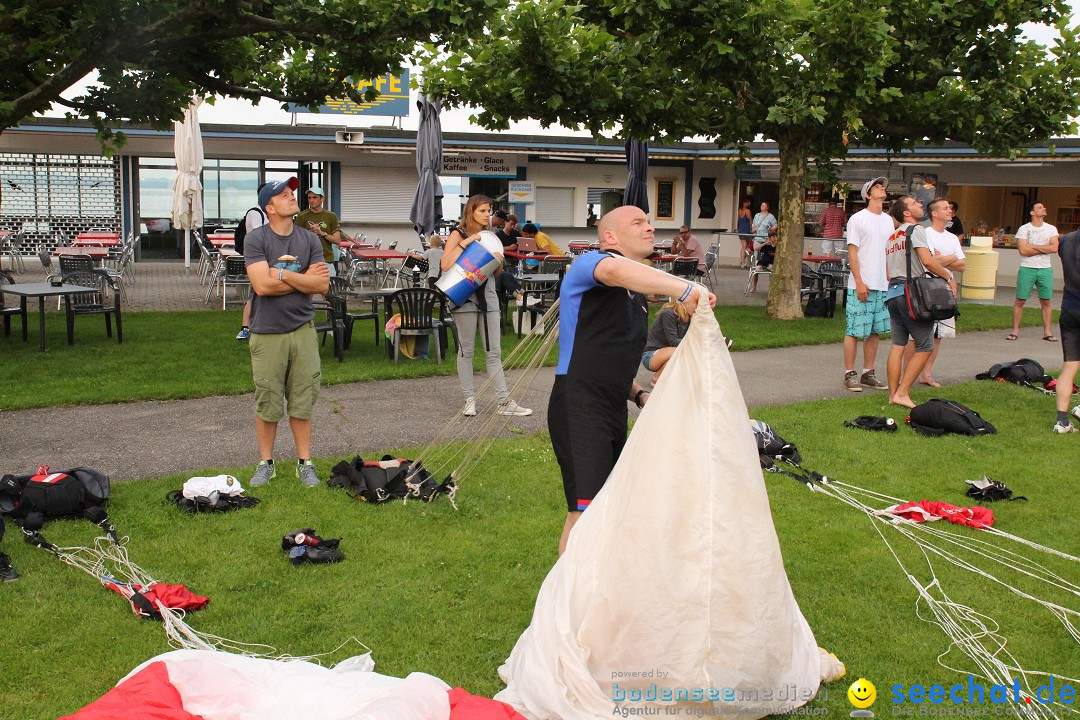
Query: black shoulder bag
x=928, y=297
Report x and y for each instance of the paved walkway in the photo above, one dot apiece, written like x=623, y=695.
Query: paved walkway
x=151, y=439
x=159, y=438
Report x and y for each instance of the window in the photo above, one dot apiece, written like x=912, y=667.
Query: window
x=377, y=194
x=230, y=188
x=554, y=206
x=156, y=179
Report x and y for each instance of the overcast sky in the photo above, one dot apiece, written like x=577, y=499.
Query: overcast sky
x=269, y=112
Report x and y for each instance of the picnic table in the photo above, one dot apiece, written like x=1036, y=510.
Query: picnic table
x=376, y=255
x=98, y=253
x=220, y=240
x=101, y=239
x=526, y=255
x=41, y=291
x=350, y=244
x=663, y=262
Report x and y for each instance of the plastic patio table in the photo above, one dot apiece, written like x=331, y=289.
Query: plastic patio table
x=41, y=291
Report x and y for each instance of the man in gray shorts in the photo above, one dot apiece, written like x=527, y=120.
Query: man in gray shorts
x=286, y=266
x=907, y=211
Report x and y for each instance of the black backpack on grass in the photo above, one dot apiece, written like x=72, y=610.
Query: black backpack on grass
x=67, y=494
x=939, y=416
x=1024, y=371
x=390, y=478
x=771, y=446
x=873, y=422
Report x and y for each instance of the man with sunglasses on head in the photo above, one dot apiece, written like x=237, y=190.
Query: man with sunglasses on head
x=323, y=223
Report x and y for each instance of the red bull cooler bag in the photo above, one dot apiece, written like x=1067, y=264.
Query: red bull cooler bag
x=473, y=267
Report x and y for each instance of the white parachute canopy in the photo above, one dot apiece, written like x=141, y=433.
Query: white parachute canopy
x=222, y=686
x=673, y=581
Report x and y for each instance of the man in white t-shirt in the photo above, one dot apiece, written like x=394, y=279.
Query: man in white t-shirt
x=255, y=217
x=1036, y=241
x=942, y=243
x=867, y=317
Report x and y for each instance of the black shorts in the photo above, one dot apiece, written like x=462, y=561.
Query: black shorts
x=1069, y=322
x=587, y=433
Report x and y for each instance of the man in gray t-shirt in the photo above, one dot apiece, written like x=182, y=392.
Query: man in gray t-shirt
x=286, y=266
x=906, y=212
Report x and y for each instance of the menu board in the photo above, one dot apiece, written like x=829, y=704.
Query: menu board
x=665, y=199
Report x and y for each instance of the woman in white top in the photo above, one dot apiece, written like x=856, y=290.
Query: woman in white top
x=483, y=304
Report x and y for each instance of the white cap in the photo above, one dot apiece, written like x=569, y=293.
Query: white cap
x=883, y=181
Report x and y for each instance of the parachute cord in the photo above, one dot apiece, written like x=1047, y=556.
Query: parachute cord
x=463, y=442
x=968, y=631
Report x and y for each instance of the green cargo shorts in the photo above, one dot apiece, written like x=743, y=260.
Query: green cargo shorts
x=286, y=367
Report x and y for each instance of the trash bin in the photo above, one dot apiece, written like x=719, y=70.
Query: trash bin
x=979, y=281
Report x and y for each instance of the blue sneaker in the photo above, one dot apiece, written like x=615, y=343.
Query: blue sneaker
x=243, y=334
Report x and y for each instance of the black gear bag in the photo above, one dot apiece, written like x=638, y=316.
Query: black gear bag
x=873, y=422
x=1022, y=372
x=772, y=447
x=67, y=494
x=939, y=416
x=390, y=478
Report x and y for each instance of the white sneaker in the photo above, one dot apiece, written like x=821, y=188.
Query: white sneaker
x=1076, y=412
x=1060, y=429
x=512, y=408
x=470, y=408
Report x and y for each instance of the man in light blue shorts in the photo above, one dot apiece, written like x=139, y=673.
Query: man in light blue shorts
x=867, y=318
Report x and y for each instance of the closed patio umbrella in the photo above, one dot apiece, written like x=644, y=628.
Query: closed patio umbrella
x=427, y=204
x=187, y=206
x=637, y=166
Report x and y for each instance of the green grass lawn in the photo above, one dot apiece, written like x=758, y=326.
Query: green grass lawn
x=172, y=355
x=448, y=592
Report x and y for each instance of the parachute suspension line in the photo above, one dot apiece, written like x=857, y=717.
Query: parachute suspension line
x=532, y=356
x=968, y=630
x=108, y=563
x=462, y=443
x=995, y=553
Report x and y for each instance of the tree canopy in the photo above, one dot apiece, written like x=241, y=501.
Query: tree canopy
x=151, y=56
x=815, y=77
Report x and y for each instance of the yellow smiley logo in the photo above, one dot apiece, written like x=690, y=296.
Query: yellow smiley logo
x=862, y=693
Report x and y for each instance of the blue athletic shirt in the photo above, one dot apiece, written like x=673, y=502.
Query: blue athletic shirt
x=602, y=330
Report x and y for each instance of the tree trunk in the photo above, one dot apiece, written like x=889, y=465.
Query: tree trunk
x=784, y=301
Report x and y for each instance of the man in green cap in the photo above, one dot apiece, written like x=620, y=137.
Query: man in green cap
x=323, y=223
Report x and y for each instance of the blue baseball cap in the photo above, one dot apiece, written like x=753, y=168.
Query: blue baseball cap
x=274, y=188
x=316, y=191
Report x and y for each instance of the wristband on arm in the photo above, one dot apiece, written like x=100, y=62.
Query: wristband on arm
x=686, y=293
